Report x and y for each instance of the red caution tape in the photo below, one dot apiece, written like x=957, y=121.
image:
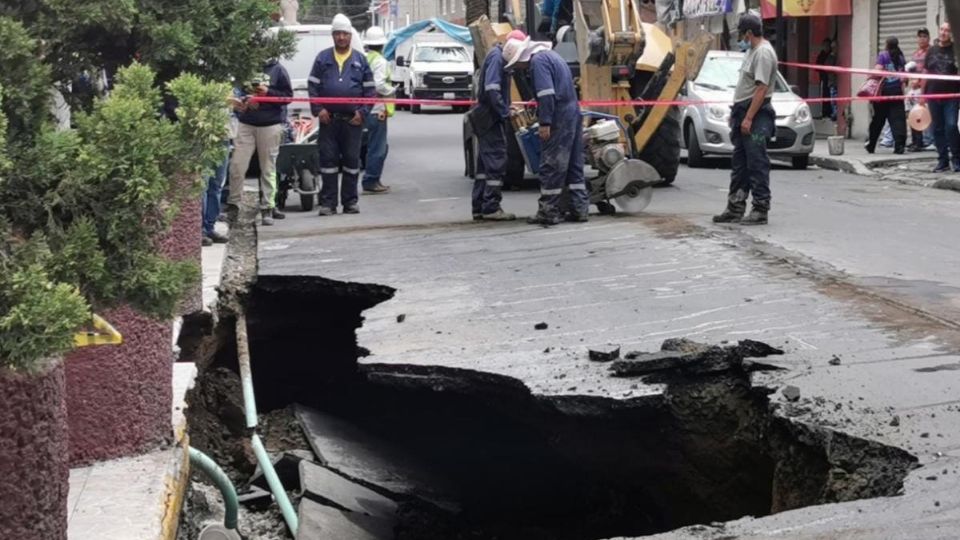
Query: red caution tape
x=873, y=72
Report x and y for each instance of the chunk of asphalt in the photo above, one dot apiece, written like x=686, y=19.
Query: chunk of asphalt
x=644, y=363
x=385, y=467
x=287, y=466
x=604, y=353
x=401, y=317
x=540, y=326
x=256, y=499
x=835, y=361
x=756, y=349
x=327, y=487
x=792, y=393
x=320, y=521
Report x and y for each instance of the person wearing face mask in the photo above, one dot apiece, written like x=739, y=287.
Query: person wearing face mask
x=752, y=123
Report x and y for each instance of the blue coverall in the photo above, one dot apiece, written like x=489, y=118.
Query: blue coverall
x=340, y=141
x=561, y=157
x=492, y=99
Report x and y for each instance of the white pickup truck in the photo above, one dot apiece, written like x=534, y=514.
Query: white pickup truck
x=437, y=70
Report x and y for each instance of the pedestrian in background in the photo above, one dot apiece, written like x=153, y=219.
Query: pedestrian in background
x=340, y=72
x=940, y=60
x=890, y=59
x=752, y=124
x=260, y=129
x=561, y=130
x=828, y=79
x=488, y=119
x=376, y=121
x=920, y=139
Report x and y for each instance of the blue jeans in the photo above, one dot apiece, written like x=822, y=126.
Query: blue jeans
x=211, y=197
x=376, y=150
x=945, y=135
x=750, y=165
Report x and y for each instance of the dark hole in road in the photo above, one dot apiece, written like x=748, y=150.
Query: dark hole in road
x=518, y=465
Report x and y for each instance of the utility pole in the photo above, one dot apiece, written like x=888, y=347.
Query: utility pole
x=781, y=32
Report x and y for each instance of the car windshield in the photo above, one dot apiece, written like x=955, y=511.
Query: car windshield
x=441, y=54
x=722, y=73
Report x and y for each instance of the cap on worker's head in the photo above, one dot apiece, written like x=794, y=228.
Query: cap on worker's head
x=513, y=49
x=923, y=32
x=517, y=34
x=374, y=37
x=341, y=23
x=750, y=21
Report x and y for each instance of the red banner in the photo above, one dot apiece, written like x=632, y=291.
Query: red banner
x=805, y=8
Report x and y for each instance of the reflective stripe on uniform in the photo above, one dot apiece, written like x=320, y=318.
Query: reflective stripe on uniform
x=369, y=84
x=314, y=80
x=546, y=92
x=493, y=86
x=481, y=176
x=494, y=183
x=351, y=171
x=329, y=170
x=582, y=186
x=556, y=191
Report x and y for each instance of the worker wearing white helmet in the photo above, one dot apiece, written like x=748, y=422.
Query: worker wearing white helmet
x=340, y=72
x=376, y=122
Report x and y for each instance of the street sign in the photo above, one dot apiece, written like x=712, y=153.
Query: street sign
x=693, y=9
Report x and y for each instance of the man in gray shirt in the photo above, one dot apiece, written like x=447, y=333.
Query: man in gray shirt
x=752, y=123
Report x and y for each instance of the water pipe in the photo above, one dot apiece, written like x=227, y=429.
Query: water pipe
x=213, y=471
x=250, y=410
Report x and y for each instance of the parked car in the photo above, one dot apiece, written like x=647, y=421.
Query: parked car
x=438, y=70
x=706, y=129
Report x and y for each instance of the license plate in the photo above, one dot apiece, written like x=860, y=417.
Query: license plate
x=448, y=95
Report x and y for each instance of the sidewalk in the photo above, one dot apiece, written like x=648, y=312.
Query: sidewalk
x=912, y=168
x=141, y=496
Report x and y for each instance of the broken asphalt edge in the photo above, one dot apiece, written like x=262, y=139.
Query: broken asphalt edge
x=860, y=168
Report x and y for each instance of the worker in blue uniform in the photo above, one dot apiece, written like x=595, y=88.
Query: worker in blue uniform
x=488, y=119
x=561, y=130
x=340, y=72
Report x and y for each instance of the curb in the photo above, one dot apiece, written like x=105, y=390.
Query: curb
x=848, y=165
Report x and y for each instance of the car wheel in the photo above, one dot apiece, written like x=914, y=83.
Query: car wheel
x=800, y=162
x=694, y=155
x=415, y=109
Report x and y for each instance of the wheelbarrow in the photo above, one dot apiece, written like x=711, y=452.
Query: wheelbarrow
x=298, y=165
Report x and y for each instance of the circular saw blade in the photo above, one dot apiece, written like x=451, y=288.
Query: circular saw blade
x=631, y=182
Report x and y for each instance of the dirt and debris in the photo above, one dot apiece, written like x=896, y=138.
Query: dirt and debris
x=683, y=356
x=401, y=317
x=541, y=326
x=835, y=361
x=791, y=393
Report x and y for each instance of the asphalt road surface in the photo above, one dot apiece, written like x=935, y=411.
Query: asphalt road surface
x=852, y=268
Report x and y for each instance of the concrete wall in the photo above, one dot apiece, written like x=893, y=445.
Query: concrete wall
x=34, y=475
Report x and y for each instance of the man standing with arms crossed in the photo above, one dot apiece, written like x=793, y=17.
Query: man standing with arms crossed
x=940, y=60
x=752, y=123
x=340, y=72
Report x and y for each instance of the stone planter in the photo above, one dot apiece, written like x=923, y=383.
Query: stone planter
x=119, y=396
x=34, y=475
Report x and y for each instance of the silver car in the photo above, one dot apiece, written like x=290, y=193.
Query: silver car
x=706, y=127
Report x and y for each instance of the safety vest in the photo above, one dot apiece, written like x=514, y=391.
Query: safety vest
x=371, y=56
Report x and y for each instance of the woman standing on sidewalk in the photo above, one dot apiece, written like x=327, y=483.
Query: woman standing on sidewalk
x=890, y=59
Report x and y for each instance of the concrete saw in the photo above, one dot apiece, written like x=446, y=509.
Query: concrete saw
x=629, y=185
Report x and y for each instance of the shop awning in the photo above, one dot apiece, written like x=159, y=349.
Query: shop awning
x=805, y=8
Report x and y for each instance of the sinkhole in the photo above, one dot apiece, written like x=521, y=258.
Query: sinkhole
x=468, y=454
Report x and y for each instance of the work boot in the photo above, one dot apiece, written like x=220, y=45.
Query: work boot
x=352, y=209
x=728, y=216
x=898, y=149
x=206, y=241
x=376, y=189
x=499, y=215
x=757, y=216
x=326, y=211
x=543, y=219
x=942, y=166
x=477, y=216
x=575, y=217
x=217, y=238
x=266, y=218
x=869, y=147
x=278, y=214
x=956, y=165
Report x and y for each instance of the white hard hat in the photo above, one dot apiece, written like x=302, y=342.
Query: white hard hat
x=374, y=36
x=341, y=23
x=513, y=49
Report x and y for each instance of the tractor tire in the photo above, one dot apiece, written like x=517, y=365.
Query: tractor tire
x=663, y=149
